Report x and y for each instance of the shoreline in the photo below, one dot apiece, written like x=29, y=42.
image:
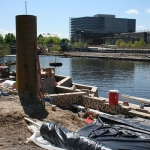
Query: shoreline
x=115, y=56
x=111, y=56
x=145, y=57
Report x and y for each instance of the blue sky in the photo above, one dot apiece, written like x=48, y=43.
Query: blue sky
x=53, y=15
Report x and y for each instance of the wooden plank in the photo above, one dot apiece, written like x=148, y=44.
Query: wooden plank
x=137, y=99
x=142, y=114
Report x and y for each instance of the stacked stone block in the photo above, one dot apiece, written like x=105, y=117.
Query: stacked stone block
x=66, y=100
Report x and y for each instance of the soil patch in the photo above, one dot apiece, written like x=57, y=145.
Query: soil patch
x=13, y=127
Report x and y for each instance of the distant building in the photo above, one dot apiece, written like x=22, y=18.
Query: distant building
x=148, y=37
x=93, y=30
x=135, y=36
x=47, y=35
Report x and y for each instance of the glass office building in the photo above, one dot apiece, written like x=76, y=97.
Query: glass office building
x=94, y=29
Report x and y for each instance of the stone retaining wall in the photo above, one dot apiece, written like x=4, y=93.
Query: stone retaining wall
x=69, y=94
x=66, y=100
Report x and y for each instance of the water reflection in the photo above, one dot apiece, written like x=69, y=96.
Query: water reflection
x=129, y=77
x=105, y=74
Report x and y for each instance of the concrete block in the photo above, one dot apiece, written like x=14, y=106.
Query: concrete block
x=73, y=87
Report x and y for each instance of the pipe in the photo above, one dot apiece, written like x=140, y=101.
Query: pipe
x=29, y=120
x=137, y=99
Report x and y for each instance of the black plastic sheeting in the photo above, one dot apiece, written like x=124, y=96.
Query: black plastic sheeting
x=97, y=136
x=136, y=122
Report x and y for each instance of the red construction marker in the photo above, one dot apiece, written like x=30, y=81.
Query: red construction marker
x=89, y=120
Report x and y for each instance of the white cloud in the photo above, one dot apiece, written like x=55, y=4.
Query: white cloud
x=147, y=10
x=140, y=27
x=4, y=32
x=60, y=35
x=132, y=11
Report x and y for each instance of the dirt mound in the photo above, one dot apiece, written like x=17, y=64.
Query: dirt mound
x=10, y=118
x=13, y=127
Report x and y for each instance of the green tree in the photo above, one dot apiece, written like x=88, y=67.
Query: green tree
x=129, y=44
x=135, y=44
x=1, y=52
x=123, y=44
x=1, y=39
x=5, y=50
x=10, y=38
x=50, y=40
x=85, y=45
x=74, y=46
x=42, y=41
x=148, y=46
x=142, y=43
x=65, y=40
x=118, y=42
x=55, y=48
x=57, y=40
x=79, y=45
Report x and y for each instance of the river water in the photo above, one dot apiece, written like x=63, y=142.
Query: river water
x=129, y=77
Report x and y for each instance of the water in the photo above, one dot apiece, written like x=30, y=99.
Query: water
x=129, y=77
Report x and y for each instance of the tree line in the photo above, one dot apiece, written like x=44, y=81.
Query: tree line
x=56, y=44
x=135, y=45
x=52, y=43
x=5, y=43
x=64, y=44
x=8, y=39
